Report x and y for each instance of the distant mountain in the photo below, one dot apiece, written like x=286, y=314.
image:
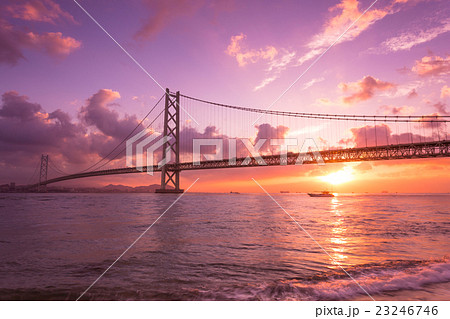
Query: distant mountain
x=128, y=189
x=117, y=188
x=111, y=188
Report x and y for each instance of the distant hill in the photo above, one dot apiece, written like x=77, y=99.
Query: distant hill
x=111, y=188
x=128, y=189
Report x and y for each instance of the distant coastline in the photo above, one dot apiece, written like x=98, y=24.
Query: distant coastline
x=111, y=188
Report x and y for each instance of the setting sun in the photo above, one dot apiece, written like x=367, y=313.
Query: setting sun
x=342, y=176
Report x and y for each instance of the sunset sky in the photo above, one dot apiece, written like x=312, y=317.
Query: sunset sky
x=68, y=90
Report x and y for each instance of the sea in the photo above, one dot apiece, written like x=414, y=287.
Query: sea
x=224, y=247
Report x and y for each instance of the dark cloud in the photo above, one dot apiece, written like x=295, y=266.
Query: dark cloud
x=11, y=43
x=267, y=131
x=412, y=94
x=263, y=131
x=17, y=106
x=164, y=12
x=372, y=135
x=27, y=131
x=98, y=113
x=441, y=108
x=433, y=122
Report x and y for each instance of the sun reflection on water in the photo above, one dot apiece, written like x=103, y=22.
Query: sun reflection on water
x=338, y=238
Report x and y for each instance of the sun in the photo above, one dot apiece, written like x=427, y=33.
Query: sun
x=343, y=176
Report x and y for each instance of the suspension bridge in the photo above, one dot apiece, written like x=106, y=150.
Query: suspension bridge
x=182, y=119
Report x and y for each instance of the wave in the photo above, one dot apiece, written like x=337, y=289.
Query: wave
x=374, y=278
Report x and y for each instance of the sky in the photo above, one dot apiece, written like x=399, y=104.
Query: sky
x=69, y=90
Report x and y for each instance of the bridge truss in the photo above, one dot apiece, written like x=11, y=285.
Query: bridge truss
x=176, y=131
x=379, y=153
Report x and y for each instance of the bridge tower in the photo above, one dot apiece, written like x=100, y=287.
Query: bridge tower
x=171, y=177
x=42, y=186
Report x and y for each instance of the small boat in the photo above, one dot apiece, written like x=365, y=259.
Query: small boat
x=321, y=194
x=234, y=193
x=284, y=192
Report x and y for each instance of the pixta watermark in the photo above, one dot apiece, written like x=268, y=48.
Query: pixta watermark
x=144, y=148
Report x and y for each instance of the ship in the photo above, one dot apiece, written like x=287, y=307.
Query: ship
x=321, y=194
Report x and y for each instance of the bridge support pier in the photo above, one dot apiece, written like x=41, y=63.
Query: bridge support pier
x=170, y=179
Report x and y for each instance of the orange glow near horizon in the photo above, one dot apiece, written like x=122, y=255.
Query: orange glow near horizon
x=342, y=176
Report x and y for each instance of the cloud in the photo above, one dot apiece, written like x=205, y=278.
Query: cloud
x=396, y=110
x=445, y=92
x=97, y=113
x=277, y=59
x=432, y=65
x=27, y=131
x=364, y=89
x=276, y=66
x=407, y=40
x=371, y=135
x=323, y=101
x=244, y=56
x=13, y=41
x=41, y=11
x=363, y=167
x=441, y=108
x=267, y=131
x=17, y=106
x=164, y=12
x=265, y=82
x=53, y=43
x=433, y=123
x=412, y=94
x=263, y=131
x=280, y=63
x=347, y=12
x=307, y=85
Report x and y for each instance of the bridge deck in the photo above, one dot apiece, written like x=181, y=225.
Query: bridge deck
x=378, y=153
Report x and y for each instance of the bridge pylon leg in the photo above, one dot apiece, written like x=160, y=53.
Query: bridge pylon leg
x=170, y=178
x=42, y=186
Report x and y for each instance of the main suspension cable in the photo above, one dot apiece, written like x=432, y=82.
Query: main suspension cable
x=339, y=117
x=123, y=140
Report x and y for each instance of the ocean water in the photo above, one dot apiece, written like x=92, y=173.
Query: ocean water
x=224, y=247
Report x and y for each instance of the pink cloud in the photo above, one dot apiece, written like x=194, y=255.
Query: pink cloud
x=53, y=43
x=348, y=11
x=42, y=11
x=407, y=40
x=244, y=56
x=445, y=92
x=13, y=41
x=277, y=59
x=364, y=89
x=432, y=65
x=396, y=110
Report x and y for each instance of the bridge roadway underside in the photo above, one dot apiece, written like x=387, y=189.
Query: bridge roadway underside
x=378, y=153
